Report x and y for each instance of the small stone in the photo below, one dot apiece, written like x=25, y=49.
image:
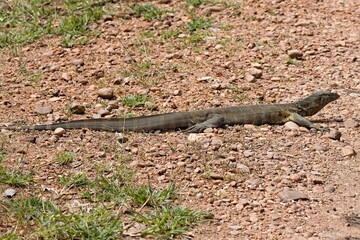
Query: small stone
x=295, y=53
x=103, y=112
x=43, y=110
x=10, y=192
x=329, y=188
x=320, y=148
x=150, y=105
x=243, y=168
x=253, y=183
x=181, y=164
x=253, y=217
x=348, y=151
x=112, y=105
x=105, y=93
x=248, y=153
x=120, y=137
x=77, y=108
x=59, y=131
x=216, y=176
x=66, y=76
x=289, y=195
x=213, y=9
x=193, y=137
x=256, y=73
x=291, y=125
x=351, y=123
x=250, y=78
x=334, y=134
x=78, y=62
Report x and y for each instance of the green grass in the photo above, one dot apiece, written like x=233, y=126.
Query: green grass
x=199, y=23
x=169, y=221
x=98, y=223
x=291, y=61
x=16, y=177
x=78, y=180
x=65, y=158
x=134, y=101
x=23, y=22
x=31, y=208
x=146, y=195
x=148, y=11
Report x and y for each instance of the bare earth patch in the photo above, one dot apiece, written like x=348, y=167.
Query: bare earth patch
x=259, y=182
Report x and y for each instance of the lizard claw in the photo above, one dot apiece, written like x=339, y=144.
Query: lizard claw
x=322, y=129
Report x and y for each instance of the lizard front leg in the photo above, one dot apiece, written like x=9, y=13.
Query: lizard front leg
x=212, y=121
x=301, y=121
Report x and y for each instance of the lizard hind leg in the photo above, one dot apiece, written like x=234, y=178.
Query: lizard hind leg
x=212, y=121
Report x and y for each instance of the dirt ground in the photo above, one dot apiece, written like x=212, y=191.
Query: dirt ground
x=242, y=174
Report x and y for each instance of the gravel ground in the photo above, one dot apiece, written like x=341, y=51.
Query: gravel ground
x=260, y=182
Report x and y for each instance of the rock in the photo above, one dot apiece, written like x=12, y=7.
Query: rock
x=351, y=123
x=253, y=217
x=291, y=125
x=10, y=192
x=348, y=151
x=66, y=76
x=250, y=78
x=329, y=188
x=248, y=153
x=103, y=112
x=295, y=53
x=78, y=62
x=333, y=134
x=120, y=137
x=77, y=108
x=105, y=93
x=216, y=176
x=112, y=105
x=288, y=195
x=256, y=73
x=150, y=105
x=43, y=110
x=194, y=137
x=253, y=183
x=59, y=131
x=243, y=168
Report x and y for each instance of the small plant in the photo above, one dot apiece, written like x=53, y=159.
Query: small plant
x=195, y=3
x=65, y=158
x=133, y=101
x=30, y=208
x=147, y=195
x=148, y=11
x=15, y=178
x=78, y=180
x=291, y=61
x=199, y=23
x=97, y=223
x=170, y=221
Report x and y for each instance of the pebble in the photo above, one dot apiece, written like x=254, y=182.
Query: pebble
x=216, y=176
x=78, y=62
x=351, y=123
x=333, y=134
x=195, y=137
x=250, y=78
x=295, y=53
x=105, y=93
x=329, y=188
x=121, y=138
x=255, y=72
x=59, y=131
x=291, y=125
x=103, y=112
x=348, y=151
x=43, y=110
x=77, y=108
x=289, y=195
x=10, y=192
x=243, y=168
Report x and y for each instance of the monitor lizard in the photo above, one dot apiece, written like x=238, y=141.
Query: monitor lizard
x=199, y=120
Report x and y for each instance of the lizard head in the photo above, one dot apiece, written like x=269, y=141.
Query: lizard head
x=316, y=101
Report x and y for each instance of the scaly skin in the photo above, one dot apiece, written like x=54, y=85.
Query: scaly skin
x=197, y=121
